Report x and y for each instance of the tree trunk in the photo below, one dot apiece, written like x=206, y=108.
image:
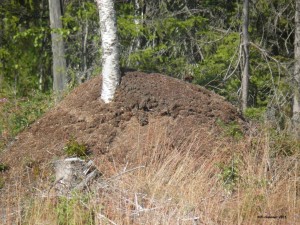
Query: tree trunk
x=58, y=50
x=110, y=49
x=139, y=9
x=246, y=72
x=139, y=16
x=1, y=44
x=296, y=94
x=83, y=75
x=1, y=75
x=42, y=9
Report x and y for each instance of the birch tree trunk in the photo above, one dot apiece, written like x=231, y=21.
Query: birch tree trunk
x=246, y=72
x=296, y=94
x=58, y=49
x=110, y=49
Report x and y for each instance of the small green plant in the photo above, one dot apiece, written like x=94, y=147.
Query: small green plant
x=283, y=144
x=1, y=183
x=17, y=113
x=256, y=114
x=229, y=175
x=75, y=149
x=72, y=211
x=3, y=167
x=231, y=129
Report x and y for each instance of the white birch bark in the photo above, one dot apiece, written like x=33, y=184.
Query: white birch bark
x=110, y=49
x=296, y=94
x=58, y=49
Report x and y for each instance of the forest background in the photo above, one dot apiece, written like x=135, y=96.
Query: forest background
x=198, y=41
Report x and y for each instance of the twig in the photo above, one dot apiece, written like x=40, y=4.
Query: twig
x=52, y=186
x=267, y=56
x=104, y=217
x=145, y=210
x=193, y=219
x=127, y=171
x=137, y=206
x=286, y=40
x=85, y=182
x=239, y=50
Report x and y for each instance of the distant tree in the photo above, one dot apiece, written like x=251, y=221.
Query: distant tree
x=296, y=94
x=58, y=48
x=110, y=49
x=139, y=7
x=246, y=72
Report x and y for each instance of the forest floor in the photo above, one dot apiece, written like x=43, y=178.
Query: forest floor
x=188, y=144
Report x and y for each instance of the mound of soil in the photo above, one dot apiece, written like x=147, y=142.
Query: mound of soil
x=150, y=111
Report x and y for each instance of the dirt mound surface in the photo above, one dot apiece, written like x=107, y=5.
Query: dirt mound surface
x=150, y=111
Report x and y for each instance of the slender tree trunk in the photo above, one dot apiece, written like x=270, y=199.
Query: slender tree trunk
x=83, y=76
x=296, y=94
x=139, y=7
x=110, y=49
x=1, y=62
x=1, y=75
x=246, y=72
x=16, y=83
x=41, y=79
x=58, y=49
x=139, y=16
x=42, y=10
x=85, y=48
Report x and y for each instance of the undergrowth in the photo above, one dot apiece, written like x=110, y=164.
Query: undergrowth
x=240, y=183
x=75, y=149
x=231, y=129
x=229, y=174
x=17, y=113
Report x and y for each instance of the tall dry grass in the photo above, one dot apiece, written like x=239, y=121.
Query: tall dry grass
x=249, y=181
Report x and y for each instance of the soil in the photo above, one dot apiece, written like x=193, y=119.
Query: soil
x=150, y=111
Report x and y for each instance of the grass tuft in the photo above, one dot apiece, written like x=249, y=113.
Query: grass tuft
x=75, y=149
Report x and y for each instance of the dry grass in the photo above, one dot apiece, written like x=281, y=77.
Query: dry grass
x=243, y=185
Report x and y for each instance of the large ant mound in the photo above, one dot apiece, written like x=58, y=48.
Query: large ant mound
x=150, y=113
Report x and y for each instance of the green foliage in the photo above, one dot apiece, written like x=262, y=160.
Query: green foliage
x=72, y=211
x=219, y=70
x=166, y=43
x=2, y=183
x=198, y=39
x=231, y=129
x=229, y=175
x=283, y=144
x=256, y=114
x=74, y=148
x=3, y=167
x=128, y=29
x=24, y=55
x=18, y=113
x=82, y=39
